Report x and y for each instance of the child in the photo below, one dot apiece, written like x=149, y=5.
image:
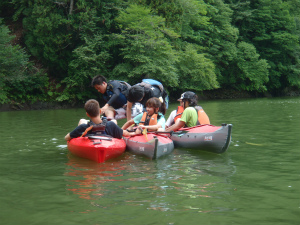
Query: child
x=192, y=115
x=175, y=114
x=152, y=120
x=93, y=110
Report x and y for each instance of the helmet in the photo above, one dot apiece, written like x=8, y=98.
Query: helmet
x=135, y=93
x=187, y=95
x=190, y=96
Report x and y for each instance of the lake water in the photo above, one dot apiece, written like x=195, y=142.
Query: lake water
x=257, y=181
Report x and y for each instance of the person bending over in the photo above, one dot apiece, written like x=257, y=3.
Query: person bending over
x=142, y=92
x=113, y=94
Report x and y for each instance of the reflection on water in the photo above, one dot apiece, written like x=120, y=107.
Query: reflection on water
x=255, y=182
x=129, y=180
x=86, y=178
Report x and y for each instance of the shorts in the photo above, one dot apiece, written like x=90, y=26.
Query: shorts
x=136, y=109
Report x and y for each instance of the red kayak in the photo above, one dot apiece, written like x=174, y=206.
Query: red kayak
x=203, y=137
x=151, y=145
x=97, y=148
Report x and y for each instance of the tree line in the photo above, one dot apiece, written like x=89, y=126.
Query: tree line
x=50, y=49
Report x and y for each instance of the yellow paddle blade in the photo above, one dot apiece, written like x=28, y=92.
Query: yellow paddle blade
x=144, y=132
x=86, y=130
x=253, y=144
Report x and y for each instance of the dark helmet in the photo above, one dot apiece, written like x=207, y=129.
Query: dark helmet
x=189, y=96
x=135, y=93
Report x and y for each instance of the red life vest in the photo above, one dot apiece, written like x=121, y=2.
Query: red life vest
x=202, y=116
x=151, y=121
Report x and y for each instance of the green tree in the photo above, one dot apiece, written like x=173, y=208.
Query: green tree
x=96, y=54
x=145, y=50
x=19, y=80
x=269, y=26
x=248, y=72
x=196, y=71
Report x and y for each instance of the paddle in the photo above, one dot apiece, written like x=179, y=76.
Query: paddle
x=144, y=132
x=100, y=138
x=87, y=130
x=172, y=132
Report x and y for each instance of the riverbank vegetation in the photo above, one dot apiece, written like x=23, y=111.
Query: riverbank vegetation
x=50, y=49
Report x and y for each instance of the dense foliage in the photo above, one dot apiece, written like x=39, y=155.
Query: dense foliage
x=186, y=44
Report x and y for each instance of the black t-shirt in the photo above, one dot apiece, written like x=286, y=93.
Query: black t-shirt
x=114, y=94
x=111, y=129
x=149, y=93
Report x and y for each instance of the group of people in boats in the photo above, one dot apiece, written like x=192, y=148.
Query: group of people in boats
x=144, y=105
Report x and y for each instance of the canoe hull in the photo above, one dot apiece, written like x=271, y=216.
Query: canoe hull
x=155, y=147
x=96, y=149
x=204, y=137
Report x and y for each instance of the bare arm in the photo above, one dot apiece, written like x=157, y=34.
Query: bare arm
x=151, y=127
x=104, y=108
x=127, y=124
x=176, y=126
x=128, y=110
x=126, y=133
x=67, y=137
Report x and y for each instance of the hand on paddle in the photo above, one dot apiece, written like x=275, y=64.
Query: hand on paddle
x=143, y=130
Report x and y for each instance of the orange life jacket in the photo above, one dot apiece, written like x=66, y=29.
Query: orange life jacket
x=151, y=121
x=202, y=116
x=179, y=112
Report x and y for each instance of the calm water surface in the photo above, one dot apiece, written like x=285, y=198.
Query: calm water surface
x=257, y=181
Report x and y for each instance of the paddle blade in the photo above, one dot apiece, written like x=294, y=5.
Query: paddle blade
x=144, y=132
x=87, y=130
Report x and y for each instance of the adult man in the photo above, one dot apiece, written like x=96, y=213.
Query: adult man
x=113, y=94
x=192, y=115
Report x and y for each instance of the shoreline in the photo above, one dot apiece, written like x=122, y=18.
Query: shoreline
x=218, y=94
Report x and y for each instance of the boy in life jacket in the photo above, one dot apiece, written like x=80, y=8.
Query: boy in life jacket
x=151, y=120
x=192, y=115
x=175, y=114
x=114, y=94
x=100, y=126
x=142, y=92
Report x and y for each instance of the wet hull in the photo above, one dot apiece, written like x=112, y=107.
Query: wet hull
x=204, y=137
x=98, y=149
x=154, y=147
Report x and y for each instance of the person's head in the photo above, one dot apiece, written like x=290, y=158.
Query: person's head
x=155, y=105
x=189, y=98
x=92, y=108
x=99, y=83
x=135, y=93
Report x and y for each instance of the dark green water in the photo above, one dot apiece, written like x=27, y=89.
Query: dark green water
x=257, y=181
